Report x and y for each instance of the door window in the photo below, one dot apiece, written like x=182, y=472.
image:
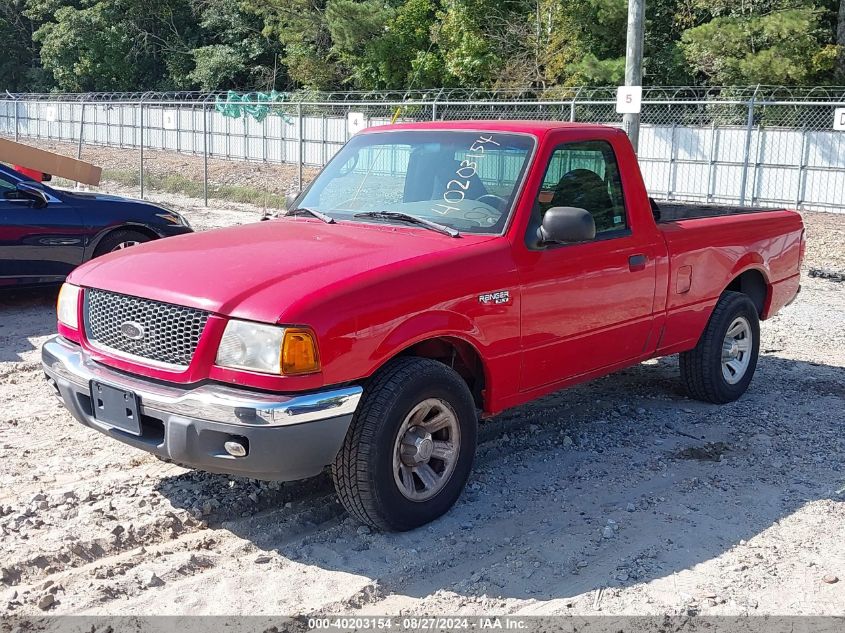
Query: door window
x=7, y=188
x=585, y=175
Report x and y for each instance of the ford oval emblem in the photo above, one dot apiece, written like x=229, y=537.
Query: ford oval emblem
x=132, y=330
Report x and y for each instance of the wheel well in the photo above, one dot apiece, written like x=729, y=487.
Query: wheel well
x=460, y=356
x=138, y=228
x=753, y=284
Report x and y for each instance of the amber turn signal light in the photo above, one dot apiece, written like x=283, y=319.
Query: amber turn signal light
x=299, y=352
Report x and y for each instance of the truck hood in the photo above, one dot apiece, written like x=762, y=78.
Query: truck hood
x=254, y=271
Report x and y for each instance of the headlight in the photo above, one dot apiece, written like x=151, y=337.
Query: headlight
x=67, y=306
x=173, y=217
x=269, y=349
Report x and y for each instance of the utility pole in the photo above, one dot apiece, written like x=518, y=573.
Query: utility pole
x=634, y=62
x=840, y=40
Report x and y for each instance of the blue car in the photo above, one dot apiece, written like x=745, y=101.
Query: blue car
x=45, y=233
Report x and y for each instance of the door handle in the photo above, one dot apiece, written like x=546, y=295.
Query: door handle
x=637, y=262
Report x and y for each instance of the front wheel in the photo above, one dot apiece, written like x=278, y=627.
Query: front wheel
x=720, y=368
x=410, y=447
x=120, y=239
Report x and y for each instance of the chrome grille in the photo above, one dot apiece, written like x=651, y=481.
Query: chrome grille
x=166, y=333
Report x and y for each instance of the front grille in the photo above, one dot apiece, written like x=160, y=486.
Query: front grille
x=166, y=333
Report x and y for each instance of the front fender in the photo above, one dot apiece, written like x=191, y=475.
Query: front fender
x=424, y=326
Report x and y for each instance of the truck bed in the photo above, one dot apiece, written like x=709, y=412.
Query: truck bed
x=706, y=254
x=665, y=211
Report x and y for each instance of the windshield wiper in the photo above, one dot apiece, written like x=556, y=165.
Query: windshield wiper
x=406, y=217
x=317, y=214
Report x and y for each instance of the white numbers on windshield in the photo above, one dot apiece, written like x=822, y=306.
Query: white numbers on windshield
x=456, y=188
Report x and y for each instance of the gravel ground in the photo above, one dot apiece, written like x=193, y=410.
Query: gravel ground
x=616, y=497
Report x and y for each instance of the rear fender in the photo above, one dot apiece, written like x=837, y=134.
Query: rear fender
x=752, y=262
x=748, y=261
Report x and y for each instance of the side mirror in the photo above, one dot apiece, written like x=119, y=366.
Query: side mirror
x=30, y=192
x=567, y=225
x=290, y=199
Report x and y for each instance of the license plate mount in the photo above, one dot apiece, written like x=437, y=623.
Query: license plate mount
x=116, y=407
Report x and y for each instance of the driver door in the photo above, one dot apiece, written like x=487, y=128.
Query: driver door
x=589, y=305
x=38, y=243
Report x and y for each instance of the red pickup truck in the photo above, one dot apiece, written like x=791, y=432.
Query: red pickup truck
x=431, y=275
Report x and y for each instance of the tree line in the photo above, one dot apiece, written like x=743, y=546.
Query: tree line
x=127, y=45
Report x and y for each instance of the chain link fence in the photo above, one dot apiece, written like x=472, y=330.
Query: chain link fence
x=767, y=146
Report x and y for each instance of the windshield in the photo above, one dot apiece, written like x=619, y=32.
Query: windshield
x=461, y=179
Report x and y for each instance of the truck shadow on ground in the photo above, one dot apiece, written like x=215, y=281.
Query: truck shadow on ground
x=613, y=483
x=25, y=314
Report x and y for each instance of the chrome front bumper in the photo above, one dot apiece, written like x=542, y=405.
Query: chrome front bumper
x=288, y=437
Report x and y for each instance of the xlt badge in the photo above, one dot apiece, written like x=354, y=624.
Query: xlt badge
x=500, y=297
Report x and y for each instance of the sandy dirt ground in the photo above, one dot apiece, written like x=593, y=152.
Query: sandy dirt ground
x=616, y=497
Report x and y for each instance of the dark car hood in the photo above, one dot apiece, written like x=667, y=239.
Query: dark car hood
x=105, y=197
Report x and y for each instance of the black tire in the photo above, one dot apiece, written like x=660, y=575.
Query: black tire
x=701, y=367
x=114, y=239
x=363, y=469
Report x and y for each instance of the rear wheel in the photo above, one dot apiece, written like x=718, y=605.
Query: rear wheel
x=720, y=368
x=120, y=239
x=410, y=447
